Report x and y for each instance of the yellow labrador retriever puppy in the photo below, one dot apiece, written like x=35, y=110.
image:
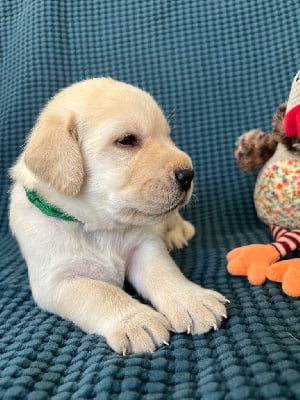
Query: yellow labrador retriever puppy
x=98, y=172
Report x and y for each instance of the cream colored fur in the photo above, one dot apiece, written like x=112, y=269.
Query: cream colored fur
x=119, y=194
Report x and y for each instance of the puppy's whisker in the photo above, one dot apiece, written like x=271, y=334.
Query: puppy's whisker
x=194, y=199
x=170, y=116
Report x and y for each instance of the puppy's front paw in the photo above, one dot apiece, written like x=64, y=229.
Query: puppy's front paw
x=193, y=309
x=175, y=231
x=178, y=236
x=141, y=330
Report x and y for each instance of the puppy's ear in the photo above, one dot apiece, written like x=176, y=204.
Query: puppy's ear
x=53, y=153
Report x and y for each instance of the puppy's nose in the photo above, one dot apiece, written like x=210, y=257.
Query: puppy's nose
x=184, y=178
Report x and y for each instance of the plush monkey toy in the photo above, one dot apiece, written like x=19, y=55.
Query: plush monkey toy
x=276, y=196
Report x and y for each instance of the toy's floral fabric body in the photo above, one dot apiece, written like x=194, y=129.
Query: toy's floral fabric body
x=277, y=191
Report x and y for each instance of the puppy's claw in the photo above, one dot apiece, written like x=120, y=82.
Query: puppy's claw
x=166, y=343
x=215, y=327
x=190, y=327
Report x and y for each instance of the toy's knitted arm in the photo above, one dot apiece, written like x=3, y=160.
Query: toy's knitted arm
x=254, y=148
x=278, y=122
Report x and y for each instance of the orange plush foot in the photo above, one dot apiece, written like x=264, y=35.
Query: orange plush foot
x=252, y=261
x=287, y=272
x=276, y=271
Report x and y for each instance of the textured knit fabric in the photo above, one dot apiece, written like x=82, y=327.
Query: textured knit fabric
x=218, y=68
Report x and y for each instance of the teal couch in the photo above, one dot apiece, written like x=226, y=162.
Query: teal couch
x=217, y=68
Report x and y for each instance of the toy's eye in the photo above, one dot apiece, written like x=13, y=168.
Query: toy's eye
x=128, y=141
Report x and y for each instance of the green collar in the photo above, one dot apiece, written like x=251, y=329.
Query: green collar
x=47, y=208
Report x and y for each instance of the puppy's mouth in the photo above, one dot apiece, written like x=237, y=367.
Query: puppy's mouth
x=161, y=214
x=155, y=215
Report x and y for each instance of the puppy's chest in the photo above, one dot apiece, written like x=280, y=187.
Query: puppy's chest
x=106, y=256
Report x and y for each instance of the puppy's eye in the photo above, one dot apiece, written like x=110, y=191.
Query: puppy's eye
x=128, y=141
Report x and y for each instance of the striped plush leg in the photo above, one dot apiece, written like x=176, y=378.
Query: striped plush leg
x=285, y=240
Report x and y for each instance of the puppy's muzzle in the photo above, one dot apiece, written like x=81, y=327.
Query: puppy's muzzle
x=184, y=178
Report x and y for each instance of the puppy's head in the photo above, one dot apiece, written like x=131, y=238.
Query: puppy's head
x=108, y=144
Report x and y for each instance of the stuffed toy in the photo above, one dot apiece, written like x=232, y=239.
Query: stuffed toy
x=276, y=197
